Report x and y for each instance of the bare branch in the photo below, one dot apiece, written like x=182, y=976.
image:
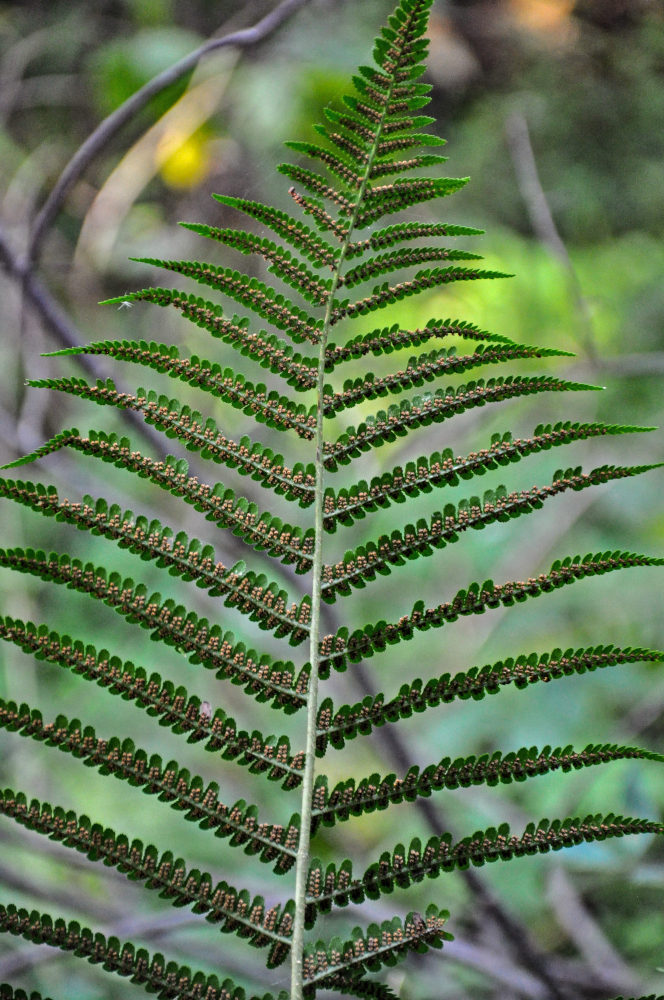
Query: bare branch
x=532, y=192
x=111, y=125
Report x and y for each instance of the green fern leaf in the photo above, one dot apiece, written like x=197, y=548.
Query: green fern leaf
x=173, y=707
x=446, y=469
x=337, y=650
x=377, y=946
x=267, y=350
x=354, y=798
x=404, y=866
x=373, y=163
x=151, y=540
x=184, y=792
x=336, y=725
x=249, y=458
x=151, y=971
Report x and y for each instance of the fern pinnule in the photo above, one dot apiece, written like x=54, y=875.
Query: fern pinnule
x=266, y=349
x=360, y=566
x=249, y=458
x=353, y=797
x=403, y=866
x=154, y=972
x=173, y=707
x=377, y=946
x=267, y=407
x=446, y=469
x=336, y=725
x=188, y=794
x=183, y=556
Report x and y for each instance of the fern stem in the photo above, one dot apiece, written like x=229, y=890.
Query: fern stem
x=303, y=852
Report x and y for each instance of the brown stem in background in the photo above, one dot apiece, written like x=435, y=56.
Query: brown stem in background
x=113, y=123
x=541, y=219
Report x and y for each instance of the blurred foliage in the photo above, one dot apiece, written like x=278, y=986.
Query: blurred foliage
x=587, y=78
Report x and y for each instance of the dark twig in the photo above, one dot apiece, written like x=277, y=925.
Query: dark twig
x=532, y=192
x=111, y=125
x=588, y=936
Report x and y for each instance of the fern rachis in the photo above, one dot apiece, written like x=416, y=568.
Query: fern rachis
x=372, y=169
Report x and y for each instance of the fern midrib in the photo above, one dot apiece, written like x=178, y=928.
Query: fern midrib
x=303, y=854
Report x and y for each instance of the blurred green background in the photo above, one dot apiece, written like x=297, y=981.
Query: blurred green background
x=556, y=110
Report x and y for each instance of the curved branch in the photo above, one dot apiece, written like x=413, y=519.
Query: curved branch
x=111, y=125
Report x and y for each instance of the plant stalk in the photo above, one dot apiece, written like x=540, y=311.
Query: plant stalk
x=303, y=851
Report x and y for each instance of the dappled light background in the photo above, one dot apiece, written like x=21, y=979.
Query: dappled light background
x=555, y=109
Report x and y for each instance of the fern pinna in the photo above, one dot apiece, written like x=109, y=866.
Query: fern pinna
x=372, y=167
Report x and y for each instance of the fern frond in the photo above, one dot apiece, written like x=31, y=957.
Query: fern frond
x=222, y=904
x=265, y=349
x=186, y=793
x=385, y=295
x=389, y=262
x=266, y=407
x=354, y=798
x=402, y=232
x=393, y=338
x=446, y=469
x=173, y=707
x=181, y=555
x=436, y=408
x=282, y=263
x=162, y=978
x=168, y=622
x=367, y=951
x=399, y=869
x=336, y=725
x=426, y=368
x=446, y=526
x=305, y=240
x=338, y=650
x=249, y=292
x=248, y=457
